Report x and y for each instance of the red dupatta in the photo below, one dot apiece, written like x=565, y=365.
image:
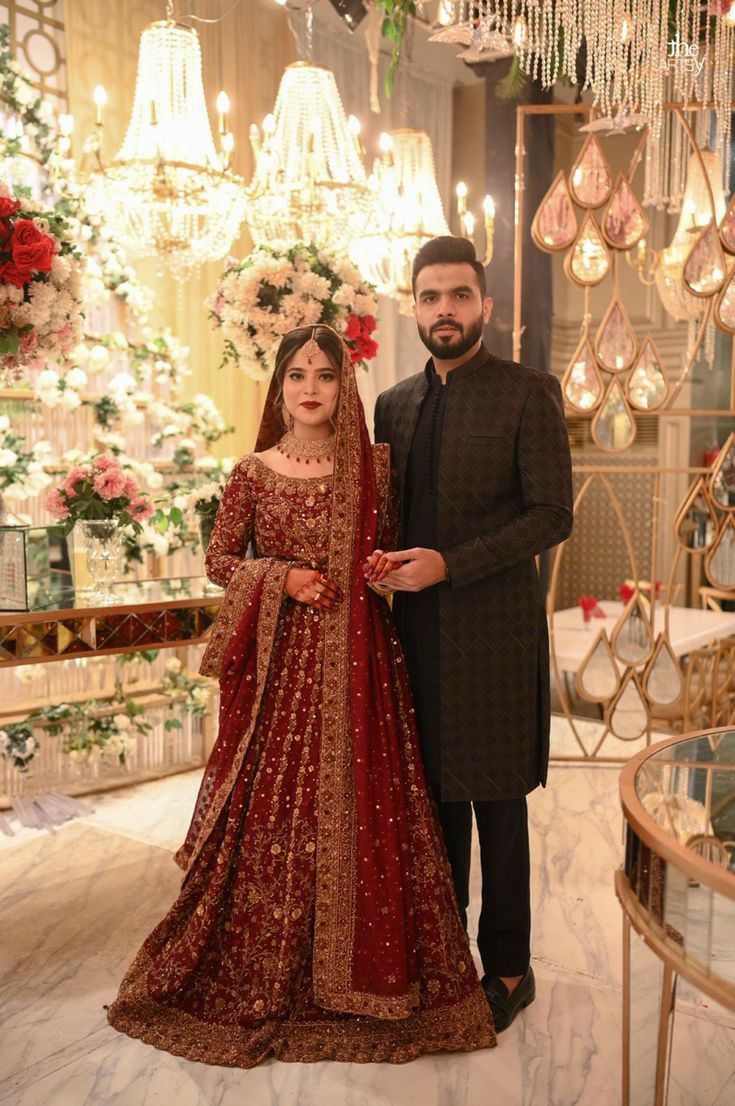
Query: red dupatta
x=364, y=956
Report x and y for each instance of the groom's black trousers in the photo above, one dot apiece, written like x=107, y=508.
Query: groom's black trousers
x=504, y=930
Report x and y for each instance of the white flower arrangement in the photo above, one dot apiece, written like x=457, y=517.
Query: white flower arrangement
x=55, y=390
x=21, y=469
x=197, y=420
x=273, y=291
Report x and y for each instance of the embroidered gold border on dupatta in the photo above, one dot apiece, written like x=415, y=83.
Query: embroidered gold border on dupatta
x=336, y=865
x=241, y=587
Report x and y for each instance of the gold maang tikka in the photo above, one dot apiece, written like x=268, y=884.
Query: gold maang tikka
x=312, y=347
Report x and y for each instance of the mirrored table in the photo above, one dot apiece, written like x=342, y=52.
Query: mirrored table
x=677, y=891
x=144, y=614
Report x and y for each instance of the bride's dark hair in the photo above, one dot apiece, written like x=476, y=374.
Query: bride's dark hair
x=329, y=342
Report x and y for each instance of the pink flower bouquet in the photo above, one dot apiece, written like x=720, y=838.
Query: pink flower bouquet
x=100, y=489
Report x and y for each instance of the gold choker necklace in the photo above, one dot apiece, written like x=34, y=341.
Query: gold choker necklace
x=306, y=449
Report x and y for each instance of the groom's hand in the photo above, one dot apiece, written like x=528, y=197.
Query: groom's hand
x=410, y=569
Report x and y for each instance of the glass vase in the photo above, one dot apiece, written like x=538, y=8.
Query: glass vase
x=104, y=556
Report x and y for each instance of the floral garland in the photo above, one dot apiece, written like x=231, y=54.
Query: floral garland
x=274, y=290
x=18, y=745
x=185, y=422
x=21, y=470
x=21, y=98
x=41, y=308
x=100, y=727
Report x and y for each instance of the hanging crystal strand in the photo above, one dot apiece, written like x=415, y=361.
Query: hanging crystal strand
x=676, y=182
x=692, y=329
x=709, y=345
x=722, y=93
x=650, y=159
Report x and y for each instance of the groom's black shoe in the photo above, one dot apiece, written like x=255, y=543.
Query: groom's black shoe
x=505, y=1006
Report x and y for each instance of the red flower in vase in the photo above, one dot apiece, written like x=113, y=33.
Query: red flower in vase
x=626, y=593
x=588, y=603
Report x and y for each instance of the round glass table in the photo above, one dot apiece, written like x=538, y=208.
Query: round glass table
x=677, y=891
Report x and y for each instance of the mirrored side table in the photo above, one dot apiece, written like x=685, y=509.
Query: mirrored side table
x=677, y=891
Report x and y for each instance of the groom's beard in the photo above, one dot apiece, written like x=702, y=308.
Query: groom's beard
x=449, y=346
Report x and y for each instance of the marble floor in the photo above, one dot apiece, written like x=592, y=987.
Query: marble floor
x=75, y=906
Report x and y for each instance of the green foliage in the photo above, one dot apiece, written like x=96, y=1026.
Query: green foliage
x=396, y=14
x=512, y=84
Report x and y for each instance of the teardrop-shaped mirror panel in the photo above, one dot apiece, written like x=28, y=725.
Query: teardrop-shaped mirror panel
x=613, y=427
x=727, y=226
x=662, y=681
x=719, y=563
x=625, y=222
x=647, y=386
x=627, y=716
x=588, y=262
x=695, y=526
x=705, y=268
x=582, y=384
x=597, y=678
x=554, y=225
x=590, y=178
x=722, y=480
x=632, y=639
x=725, y=305
x=615, y=342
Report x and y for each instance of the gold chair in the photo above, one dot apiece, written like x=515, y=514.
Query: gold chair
x=723, y=701
x=711, y=598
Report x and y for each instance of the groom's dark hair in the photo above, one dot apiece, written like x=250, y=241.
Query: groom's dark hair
x=448, y=250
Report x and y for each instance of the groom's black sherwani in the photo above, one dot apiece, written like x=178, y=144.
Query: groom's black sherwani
x=484, y=470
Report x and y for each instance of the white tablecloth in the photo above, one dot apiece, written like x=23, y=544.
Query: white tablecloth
x=689, y=628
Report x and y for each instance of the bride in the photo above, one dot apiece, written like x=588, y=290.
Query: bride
x=316, y=919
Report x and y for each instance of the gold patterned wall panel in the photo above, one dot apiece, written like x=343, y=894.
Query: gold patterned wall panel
x=38, y=41
x=596, y=559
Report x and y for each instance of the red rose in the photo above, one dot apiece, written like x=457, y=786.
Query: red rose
x=368, y=348
x=13, y=273
x=6, y=232
x=8, y=206
x=368, y=324
x=31, y=247
x=353, y=329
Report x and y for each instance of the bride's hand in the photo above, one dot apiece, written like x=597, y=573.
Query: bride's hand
x=377, y=567
x=308, y=585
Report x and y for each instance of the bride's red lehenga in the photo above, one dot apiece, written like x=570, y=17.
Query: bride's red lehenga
x=317, y=918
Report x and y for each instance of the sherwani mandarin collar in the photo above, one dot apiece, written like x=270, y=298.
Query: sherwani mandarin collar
x=463, y=371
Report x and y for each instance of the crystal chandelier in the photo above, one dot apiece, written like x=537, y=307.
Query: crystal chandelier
x=168, y=192
x=627, y=52
x=696, y=215
x=309, y=182
x=407, y=211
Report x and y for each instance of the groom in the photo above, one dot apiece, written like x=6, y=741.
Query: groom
x=482, y=455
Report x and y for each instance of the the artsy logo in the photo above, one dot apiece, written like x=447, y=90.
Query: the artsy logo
x=683, y=56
